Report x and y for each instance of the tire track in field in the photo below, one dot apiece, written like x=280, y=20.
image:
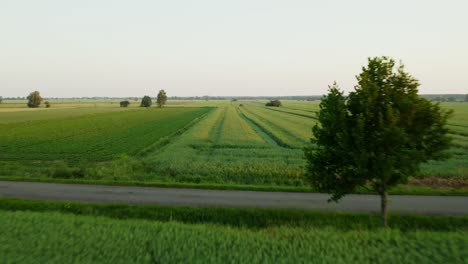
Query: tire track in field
x=265, y=133
x=286, y=132
x=291, y=113
x=259, y=130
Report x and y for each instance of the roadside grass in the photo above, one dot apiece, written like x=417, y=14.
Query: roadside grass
x=242, y=217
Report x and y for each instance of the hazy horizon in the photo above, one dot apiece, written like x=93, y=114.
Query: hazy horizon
x=243, y=48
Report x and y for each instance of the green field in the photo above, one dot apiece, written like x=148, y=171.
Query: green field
x=196, y=142
x=29, y=237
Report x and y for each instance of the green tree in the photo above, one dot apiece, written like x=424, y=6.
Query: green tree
x=1, y=99
x=275, y=103
x=124, y=103
x=376, y=137
x=466, y=97
x=162, y=98
x=146, y=101
x=34, y=99
x=47, y=104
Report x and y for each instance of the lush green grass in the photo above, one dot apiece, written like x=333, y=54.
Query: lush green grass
x=32, y=237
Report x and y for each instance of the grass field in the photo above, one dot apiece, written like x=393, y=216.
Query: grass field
x=212, y=235
x=196, y=142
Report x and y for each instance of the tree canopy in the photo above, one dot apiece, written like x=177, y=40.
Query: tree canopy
x=276, y=103
x=162, y=98
x=376, y=137
x=146, y=101
x=124, y=103
x=34, y=99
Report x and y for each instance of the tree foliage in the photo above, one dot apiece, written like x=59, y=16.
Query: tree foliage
x=34, y=99
x=146, y=101
x=124, y=103
x=162, y=98
x=47, y=104
x=376, y=137
x=276, y=103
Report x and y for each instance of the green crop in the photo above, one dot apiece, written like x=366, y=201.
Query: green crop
x=57, y=238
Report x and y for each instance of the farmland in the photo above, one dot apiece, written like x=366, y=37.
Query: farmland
x=60, y=238
x=195, y=142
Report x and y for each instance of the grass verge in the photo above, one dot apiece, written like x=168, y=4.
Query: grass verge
x=246, y=218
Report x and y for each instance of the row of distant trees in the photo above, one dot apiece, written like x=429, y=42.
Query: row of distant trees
x=35, y=99
x=148, y=102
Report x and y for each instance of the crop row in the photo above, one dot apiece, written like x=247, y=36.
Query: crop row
x=92, y=137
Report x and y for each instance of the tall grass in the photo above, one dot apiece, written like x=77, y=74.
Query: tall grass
x=57, y=238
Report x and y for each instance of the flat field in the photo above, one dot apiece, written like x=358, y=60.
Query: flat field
x=195, y=142
x=29, y=237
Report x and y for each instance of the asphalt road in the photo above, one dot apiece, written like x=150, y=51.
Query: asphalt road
x=430, y=205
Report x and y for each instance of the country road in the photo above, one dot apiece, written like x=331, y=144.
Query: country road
x=429, y=205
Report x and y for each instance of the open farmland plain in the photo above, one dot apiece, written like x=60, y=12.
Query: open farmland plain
x=225, y=143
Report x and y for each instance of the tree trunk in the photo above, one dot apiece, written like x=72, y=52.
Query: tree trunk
x=383, y=208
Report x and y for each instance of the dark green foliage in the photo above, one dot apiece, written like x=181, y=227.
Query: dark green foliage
x=47, y=104
x=466, y=98
x=1, y=99
x=34, y=99
x=162, y=98
x=275, y=103
x=124, y=103
x=376, y=137
x=146, y=101
x=65, y=172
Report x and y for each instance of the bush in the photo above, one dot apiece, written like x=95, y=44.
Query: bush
x=275, y=103
x=124, y=103
x=146, y=101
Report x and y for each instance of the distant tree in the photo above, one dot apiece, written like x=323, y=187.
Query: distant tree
x=1, y=99
x=451, y=99
x=377, y=136
x=466, y=98
x=34, y=99
x=146, y=101
x=124, y=103
x=162, y=98
x=47, y=104
x=276, y=103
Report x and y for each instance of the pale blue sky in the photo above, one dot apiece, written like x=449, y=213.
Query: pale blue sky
x=213, y=47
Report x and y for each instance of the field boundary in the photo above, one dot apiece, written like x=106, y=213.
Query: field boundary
x=241, y=217
x=162, y=142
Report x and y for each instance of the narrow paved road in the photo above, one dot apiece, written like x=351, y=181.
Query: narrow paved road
x=431, y=205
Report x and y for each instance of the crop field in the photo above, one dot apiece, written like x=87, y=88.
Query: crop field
x=91, y=137
x=211, y=142
x=29, y=237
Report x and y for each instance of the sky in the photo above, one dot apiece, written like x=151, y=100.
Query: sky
x=118, y=48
